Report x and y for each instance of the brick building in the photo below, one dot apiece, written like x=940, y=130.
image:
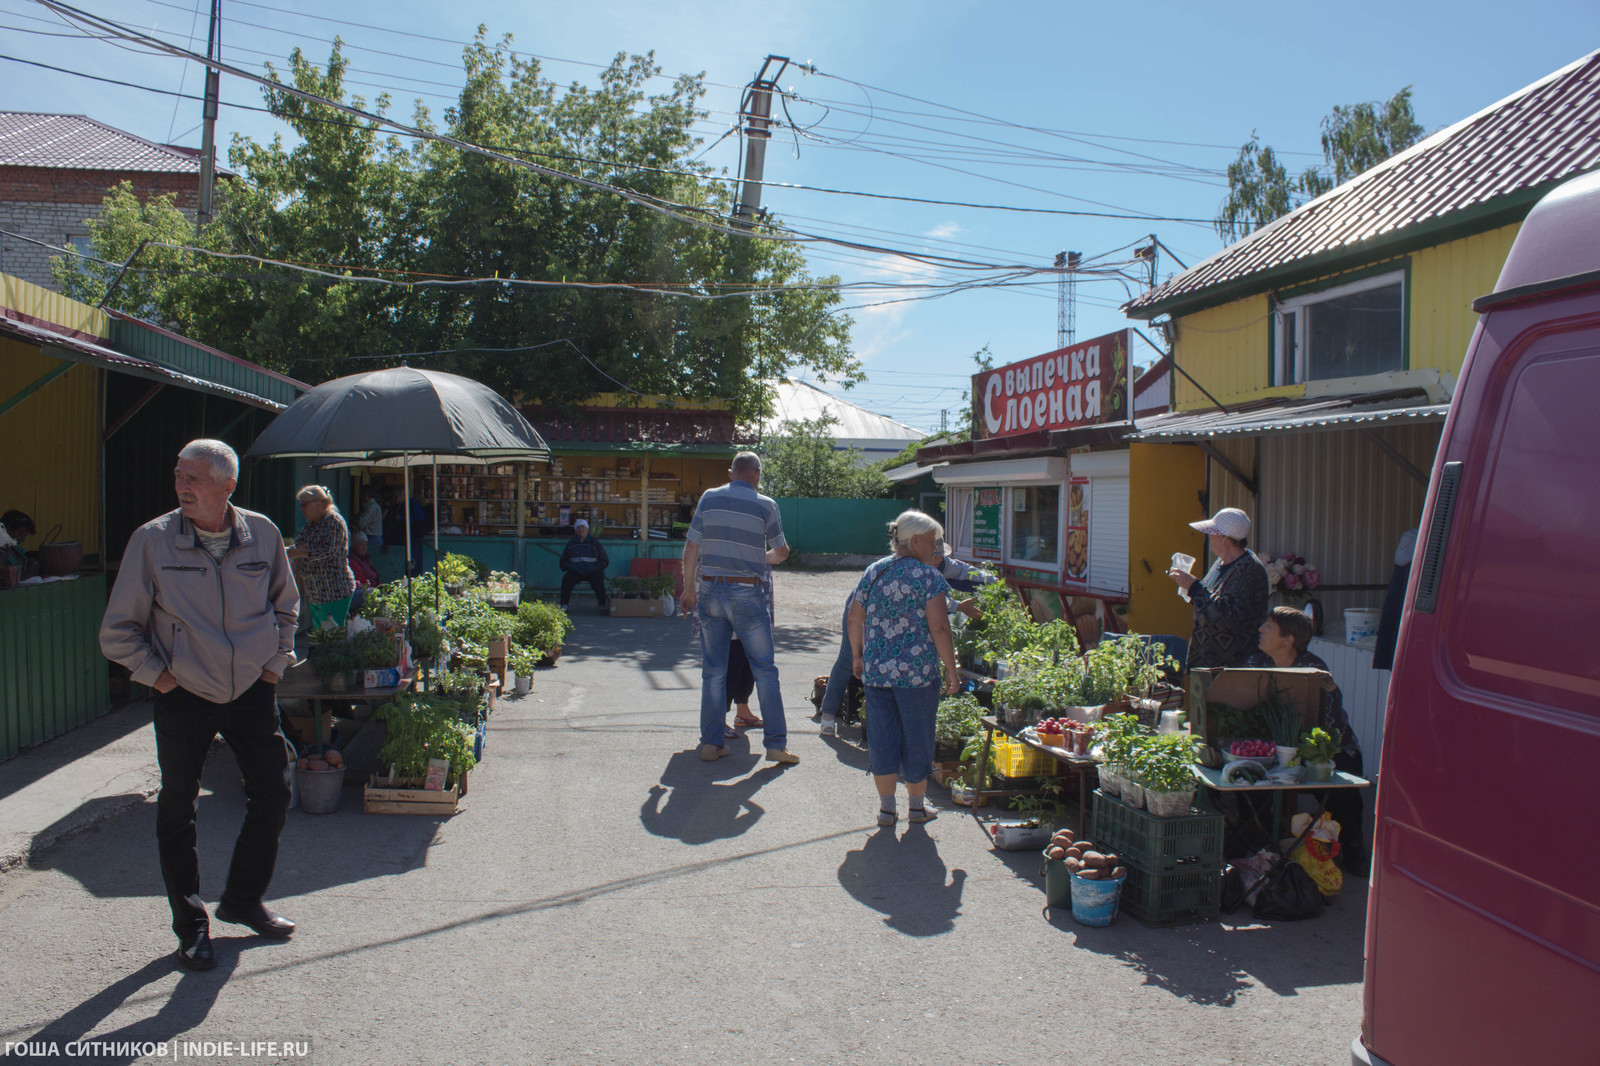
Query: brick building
x=56, y=169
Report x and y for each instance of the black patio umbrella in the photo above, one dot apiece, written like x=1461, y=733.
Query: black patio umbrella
x=401, y=413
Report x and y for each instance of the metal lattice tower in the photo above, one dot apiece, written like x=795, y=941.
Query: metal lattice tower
x=1067, y=297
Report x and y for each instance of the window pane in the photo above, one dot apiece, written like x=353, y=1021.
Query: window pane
x=1356, y=334
x=1034, y=522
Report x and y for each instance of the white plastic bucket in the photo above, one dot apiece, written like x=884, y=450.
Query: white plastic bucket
x=1360, y=623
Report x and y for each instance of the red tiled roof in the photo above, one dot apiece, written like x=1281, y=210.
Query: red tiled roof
x=76, y=142
x=1505, y=156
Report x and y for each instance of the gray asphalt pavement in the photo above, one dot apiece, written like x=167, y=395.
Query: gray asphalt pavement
x=604, y=896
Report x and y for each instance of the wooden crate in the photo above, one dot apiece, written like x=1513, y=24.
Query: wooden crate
x=407, y=796
x=621, y=608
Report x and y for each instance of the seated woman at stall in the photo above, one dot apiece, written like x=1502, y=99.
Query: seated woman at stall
x=1284, y=636
x=361, y=567
x=18, y=528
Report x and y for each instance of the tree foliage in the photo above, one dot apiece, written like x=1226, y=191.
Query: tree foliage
x=1355, y=138
x=804, y=459
x=358, y=203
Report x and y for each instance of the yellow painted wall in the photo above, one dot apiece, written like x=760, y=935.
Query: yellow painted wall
x=50, y=445
x=1165, y=482
x=38, y=302
x=1227, y=347
x=1445, y=279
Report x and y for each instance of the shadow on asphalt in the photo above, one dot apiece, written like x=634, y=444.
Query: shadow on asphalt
x=1212, y=964
x=692, y=805
x=905, y=879
x=181, y=1011
x=118, y=723
x=117, y=859
x=668, y=644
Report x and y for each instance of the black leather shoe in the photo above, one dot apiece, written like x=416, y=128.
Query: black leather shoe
x=194, y=952
x=265, y=922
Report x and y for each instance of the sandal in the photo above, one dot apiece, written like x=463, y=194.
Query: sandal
x=886, y=819
x=748, y=723
x=729, y=732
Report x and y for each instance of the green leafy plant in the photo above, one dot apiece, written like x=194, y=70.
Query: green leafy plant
x=421, y=728
x=1049, y=688
x=427, y=635
x=970, y=757
x=336, y=657
x=1006, y=625
x=662, y=585
x=1117, y=735
x=456, y=569
x=524, y=660
x=375, y=650
x=1123, y=666
x=627, y=587
x=1282, y=718
x=1044, y=809
x=957, y=719
x=1165, y=762
x=1319, y=745
x=540, y=626
x=1227, y=722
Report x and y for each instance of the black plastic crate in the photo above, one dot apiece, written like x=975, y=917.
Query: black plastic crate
x=1159, y=845
x=1181, y=897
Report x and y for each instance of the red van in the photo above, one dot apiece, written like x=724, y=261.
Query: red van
x=1483, y=919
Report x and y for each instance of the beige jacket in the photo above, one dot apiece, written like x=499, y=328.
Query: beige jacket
x=215, y=626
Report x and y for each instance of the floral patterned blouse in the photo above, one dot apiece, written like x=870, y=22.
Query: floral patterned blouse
x=899, y=651
x=325, y=573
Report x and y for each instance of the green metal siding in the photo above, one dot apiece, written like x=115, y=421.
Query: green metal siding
x=838, y=527
x=52, y=676
x=134, y=339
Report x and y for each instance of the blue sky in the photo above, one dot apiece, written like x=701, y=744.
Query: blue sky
x=1139, y=107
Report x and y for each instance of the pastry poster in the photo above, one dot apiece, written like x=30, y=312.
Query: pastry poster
x=1077, y=561
x=986, y=523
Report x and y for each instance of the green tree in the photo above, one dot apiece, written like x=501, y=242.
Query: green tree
x=1355, y=138
x=804, y=459
x=354, y=201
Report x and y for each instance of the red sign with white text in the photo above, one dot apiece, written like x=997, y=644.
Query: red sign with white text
x=1082, y=384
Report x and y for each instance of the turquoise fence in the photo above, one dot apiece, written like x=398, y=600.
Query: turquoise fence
x=838, y=527
x=52, y=676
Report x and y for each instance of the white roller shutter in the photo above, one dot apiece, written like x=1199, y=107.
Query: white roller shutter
x=1108, y=533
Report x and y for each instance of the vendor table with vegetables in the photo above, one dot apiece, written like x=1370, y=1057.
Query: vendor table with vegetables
x=1078, y=765
x=1218, y=780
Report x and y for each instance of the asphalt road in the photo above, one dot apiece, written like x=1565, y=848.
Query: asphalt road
x=604, y=896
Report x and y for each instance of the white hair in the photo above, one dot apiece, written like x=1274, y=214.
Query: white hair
x=317, y=492
x=223, y=460
x=912, y=524
x=745, y=464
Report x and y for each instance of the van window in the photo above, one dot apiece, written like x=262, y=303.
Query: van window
x=1524, y=621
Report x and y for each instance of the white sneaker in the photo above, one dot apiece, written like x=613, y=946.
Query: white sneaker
x=830, y=726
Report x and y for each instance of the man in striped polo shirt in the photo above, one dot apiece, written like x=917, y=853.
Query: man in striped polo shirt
x=736, y=534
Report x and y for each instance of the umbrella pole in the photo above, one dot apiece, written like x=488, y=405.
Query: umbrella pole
x=436, y=498
x=406, y=467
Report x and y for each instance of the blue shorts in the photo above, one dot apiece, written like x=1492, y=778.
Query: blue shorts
x=900, y=722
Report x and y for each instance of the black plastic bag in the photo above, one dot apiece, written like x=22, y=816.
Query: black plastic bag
x=1289, y=896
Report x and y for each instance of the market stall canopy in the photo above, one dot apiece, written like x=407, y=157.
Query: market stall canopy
x=402, y=410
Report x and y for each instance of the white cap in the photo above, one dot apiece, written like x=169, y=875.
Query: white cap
x=1230, y=522
x=584, y=522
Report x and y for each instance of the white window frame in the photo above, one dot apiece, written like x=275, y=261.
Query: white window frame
x=1283, y=373
x=1008, y=524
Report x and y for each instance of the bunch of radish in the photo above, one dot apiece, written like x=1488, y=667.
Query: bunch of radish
x=1082, y=859
x=1253, y=749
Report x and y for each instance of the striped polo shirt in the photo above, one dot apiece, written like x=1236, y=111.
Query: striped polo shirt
x=734, y=526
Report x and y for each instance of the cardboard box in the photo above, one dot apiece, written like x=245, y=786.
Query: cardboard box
x=621, y=608
x=1245, y=687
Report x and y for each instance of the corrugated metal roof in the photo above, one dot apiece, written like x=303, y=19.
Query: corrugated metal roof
x=1505, y=155
x=798, y=401
x=79, y=350
x=1405, y=406
x=77, y=142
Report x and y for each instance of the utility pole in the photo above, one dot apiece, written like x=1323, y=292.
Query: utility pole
x=1067, y=297
x=755, y=111
x=208, y=136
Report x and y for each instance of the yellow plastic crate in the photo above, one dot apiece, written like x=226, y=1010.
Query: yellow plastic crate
x=1015, y=759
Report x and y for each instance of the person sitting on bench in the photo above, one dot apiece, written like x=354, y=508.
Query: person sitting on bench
x=583, y=560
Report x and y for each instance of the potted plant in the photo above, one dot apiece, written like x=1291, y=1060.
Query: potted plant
x=455, y=571
x=334, y=661
x=1318, y=748
x=964, y=790
x=955, y=721
x=524, y=661
x=541, y=627
x=1283, y=722
x=1168, y=774
x=1040, y=815
x=425, y=734
x=1117, y=733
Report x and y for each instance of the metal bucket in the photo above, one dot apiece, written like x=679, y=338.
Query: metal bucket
x=320, y=790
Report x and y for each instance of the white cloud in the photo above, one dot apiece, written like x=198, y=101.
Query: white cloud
x=944, y=230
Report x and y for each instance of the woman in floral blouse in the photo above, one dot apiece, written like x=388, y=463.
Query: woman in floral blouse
x=322, y=553
x=899, y=637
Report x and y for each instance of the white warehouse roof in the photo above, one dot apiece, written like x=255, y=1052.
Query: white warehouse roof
x=877, y=435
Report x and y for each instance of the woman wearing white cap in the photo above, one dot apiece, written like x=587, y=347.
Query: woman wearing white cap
x=1230, y=602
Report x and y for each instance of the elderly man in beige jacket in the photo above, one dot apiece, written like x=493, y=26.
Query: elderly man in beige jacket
x=204, y=612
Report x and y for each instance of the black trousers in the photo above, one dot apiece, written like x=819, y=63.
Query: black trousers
x=570, y=579
x=1345, y=804
x=741, y=679
x=185, y=726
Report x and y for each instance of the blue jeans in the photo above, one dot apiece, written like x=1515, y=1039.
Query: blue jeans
x=900, y=721
x=839, y=677
x=726, y=609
